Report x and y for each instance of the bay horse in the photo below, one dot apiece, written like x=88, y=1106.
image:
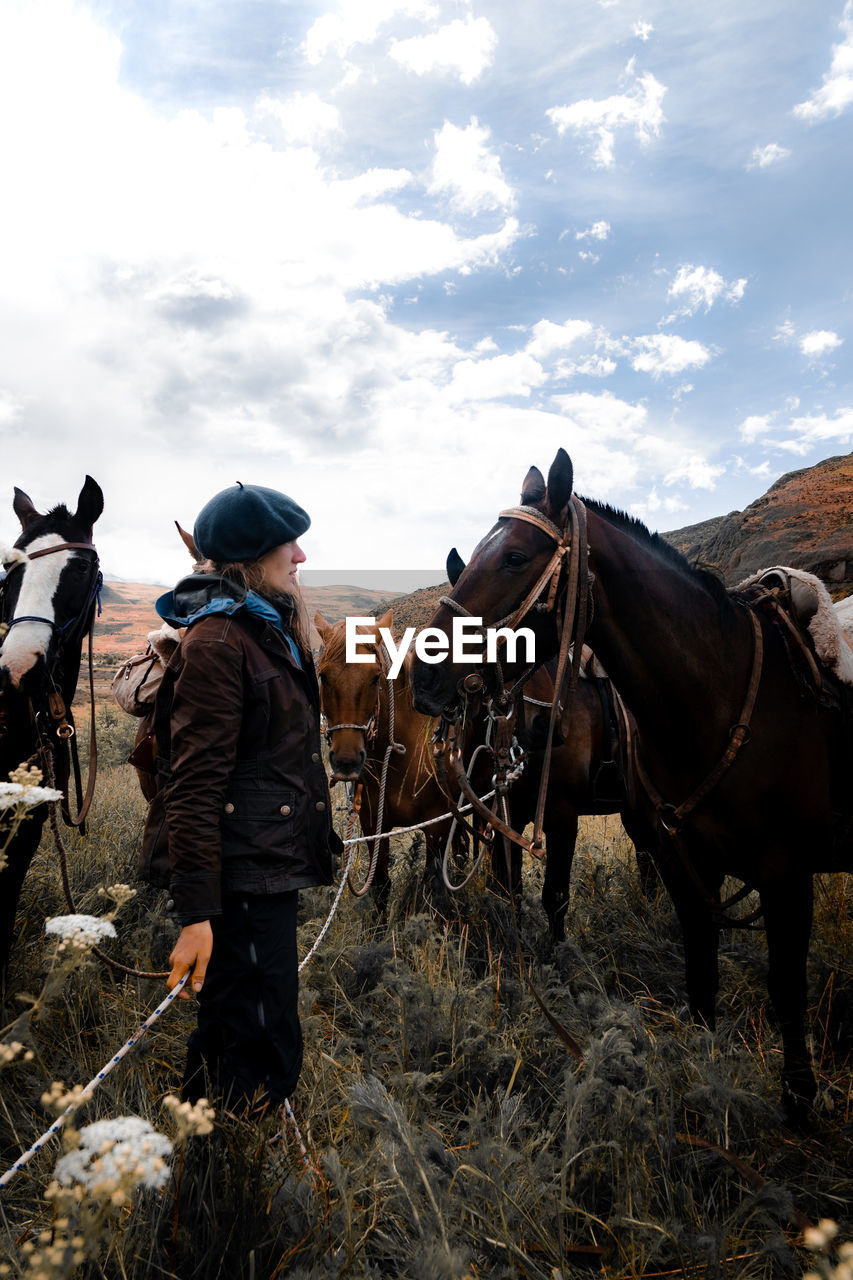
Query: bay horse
x=48, y=599
x=356, y=707
x=745, y=761
x=355, y=699
x=591, y=773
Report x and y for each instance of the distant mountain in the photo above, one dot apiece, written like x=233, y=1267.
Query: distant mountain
x=128, y=614
x=804, y=520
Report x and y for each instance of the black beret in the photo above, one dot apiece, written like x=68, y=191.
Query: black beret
x=246, y=521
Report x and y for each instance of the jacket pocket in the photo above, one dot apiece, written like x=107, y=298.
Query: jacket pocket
x=273, y=813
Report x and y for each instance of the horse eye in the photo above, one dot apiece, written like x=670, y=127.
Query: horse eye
x=515, y=560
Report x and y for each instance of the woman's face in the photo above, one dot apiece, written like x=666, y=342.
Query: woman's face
x=280, y=565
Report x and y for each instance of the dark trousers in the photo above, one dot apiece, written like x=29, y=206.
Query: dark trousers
x=247, y=1047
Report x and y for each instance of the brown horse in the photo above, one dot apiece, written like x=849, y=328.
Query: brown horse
x=356, y=702
x=356, y=706
x=591, y=772
x=47, y=606
x=745, y=761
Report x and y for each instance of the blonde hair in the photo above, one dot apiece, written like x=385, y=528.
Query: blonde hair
x=249, y=575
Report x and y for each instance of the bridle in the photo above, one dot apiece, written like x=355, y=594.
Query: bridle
x=571, y=552
x=69, y=632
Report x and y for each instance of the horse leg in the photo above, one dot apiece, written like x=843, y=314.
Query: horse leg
x=787, y=908
x=701, y=941
x=641, y=834
x=19, y=855
x=506, y=868
x=559, y=853
x=381, y=887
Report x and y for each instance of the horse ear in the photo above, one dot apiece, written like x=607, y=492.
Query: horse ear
x=323, y=627
x=455, y=565
x=533, y=489
x=90, y=503
x=560, y=479
x=188, y=542
x=385, y=621
x=24, y=509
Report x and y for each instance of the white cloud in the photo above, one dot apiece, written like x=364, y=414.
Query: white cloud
x=465, y=48
x=836, y=92
x=549, y=337
x=813, y=344
x=303, y=117
x=642, y=30
x=695, y=470
x=665, y=353
x=598, y=231
x=505, y=375
x=10, y=408
x=702, y=286
x=753, y=427
x=605, y=416
x=762, y=157
x=814, y=429
x=638, y=110
x=358, y=22
x=465, y=168
x=819, y=341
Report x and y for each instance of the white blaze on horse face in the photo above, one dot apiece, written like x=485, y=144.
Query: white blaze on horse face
x=25, y=643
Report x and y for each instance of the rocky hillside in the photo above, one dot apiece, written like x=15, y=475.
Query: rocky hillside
x=804, y=520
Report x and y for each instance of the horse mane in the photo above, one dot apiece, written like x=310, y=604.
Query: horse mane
x=334, y=643
x=659, y=546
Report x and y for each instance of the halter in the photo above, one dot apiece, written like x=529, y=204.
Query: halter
x=571, y=547
x=59, y=713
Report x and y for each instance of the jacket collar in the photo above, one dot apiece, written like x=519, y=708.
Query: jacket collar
x=201, y=594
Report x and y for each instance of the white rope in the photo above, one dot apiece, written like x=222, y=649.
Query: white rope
x=164, y=1004
x=417, y=826
x=93, y=1083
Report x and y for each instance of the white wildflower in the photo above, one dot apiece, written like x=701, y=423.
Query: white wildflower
x=120, y=893
x=114, y=1156
x=82, y=929
x=820, y=1236
x=13, y=793
x=9, y=1051
x=190, y=1118
x=58, y=1099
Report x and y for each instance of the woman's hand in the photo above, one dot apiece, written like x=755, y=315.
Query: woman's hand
x=192, y=952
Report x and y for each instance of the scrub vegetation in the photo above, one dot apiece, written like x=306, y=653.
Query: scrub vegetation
x=450, y=1133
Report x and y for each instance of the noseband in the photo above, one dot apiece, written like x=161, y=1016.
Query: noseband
x=94, y=592
x=572, y=548
x=61, y=716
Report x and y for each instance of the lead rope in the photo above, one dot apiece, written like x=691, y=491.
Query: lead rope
x=392, y=748
x=93, y=1083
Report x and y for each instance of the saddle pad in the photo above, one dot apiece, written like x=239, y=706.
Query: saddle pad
x=830, y=626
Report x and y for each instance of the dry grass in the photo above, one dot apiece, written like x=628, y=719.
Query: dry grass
x=450, y=1133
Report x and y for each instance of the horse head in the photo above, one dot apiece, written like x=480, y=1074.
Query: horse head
x=48, y=596
x=504, y=568
x=349, y=696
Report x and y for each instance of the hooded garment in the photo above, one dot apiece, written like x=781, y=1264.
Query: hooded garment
x=244, y=802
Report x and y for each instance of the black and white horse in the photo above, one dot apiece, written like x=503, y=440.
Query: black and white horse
x=48, y=599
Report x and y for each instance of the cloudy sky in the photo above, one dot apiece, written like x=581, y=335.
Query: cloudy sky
x=385, y=254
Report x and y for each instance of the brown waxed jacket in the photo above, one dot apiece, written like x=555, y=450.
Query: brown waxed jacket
x=245, y=802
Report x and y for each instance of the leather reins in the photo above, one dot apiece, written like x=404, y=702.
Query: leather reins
x=571, y=548
x=59, y=713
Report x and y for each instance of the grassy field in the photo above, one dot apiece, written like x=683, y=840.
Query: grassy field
x=451, y=1136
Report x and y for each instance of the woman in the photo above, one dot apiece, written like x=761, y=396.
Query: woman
x=244, y=804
